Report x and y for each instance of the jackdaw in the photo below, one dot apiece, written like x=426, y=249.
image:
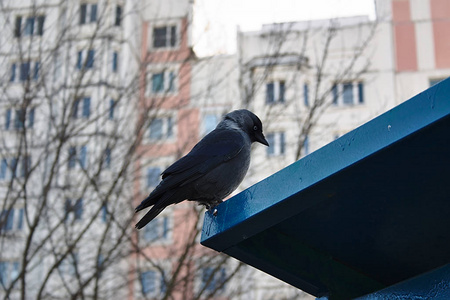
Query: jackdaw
x=212, y=170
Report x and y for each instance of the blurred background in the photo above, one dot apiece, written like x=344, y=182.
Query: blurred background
x=97, y=98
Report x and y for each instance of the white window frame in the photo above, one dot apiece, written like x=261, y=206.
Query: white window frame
x=16, y=220
x=9, y=272
x=161, y=169
x=165, y=129
x=276, y=92
x=23, y=24
x=158, y=286
x=84, y=56
x=203, y=130
x=78, y=158
x=356, y=97
x=31, y=74
x=24, y=159
x=277, y=149
x=89, y=5
x=168, y=25
x=166, y=91
x=13, y=116
x=166, y=217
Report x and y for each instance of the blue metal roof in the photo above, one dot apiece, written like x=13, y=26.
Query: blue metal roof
x=364, y=212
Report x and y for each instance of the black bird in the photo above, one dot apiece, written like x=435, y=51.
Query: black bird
x=212, y=170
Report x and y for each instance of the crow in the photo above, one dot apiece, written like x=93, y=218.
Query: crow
x=212, y=170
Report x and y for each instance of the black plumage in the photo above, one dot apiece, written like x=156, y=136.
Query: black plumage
x=212, y=170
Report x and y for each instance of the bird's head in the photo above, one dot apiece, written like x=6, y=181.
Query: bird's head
x=248, y=122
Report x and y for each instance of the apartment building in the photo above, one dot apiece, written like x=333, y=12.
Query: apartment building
x=67, y=74
x=313, y=81
x=97, y=98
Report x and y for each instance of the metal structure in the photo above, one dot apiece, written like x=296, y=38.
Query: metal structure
x=366, y=212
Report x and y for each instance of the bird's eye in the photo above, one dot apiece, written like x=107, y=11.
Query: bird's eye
x=255, y=128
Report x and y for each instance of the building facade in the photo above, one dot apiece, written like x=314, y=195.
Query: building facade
x=97, y=98
x=66, y=78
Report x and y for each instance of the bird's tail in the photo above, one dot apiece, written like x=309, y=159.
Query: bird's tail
x=149, y=201
x=159, y=202
x=152, y=213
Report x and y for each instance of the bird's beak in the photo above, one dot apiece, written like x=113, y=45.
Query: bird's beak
x=261, y=139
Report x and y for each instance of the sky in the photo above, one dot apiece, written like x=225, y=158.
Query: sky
x=216, y=21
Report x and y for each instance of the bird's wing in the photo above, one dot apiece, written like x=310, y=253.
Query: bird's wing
x=214, y=149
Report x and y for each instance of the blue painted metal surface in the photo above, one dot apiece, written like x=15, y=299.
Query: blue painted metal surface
x=432, y=285
x=365, y=212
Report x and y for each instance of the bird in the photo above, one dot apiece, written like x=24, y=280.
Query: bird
x=212, y=170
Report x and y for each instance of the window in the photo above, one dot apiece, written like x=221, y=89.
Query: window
x=152, y=283
x=89, y=62
x=90, y=59
x=275, y=92
x=163, y=82
x=104, y=213
x=85, y=111
x=18, y=26
x=14, y=167
x=88, y=13
x=306, y=94
x=19, y=121
x=78, y=209
x=209, y=122
x=9, y=271
x=161, y=128
x=100, y=264
x=36, y=71
x=148, y=282
x=156, y=129
x=29, y=26
x=3, y=168
x=73, y=209
x=86, y=107
x=158, y=82
x=276, y=143
x=158, y=230
x=24, y=71
x=118, y=17
x=32, y=25
x=360, y=92
x=77, y=154
x=107, y=162
x=8, y=119
x=22, y=117
x=72, y=157
x=112, y=106
x=27, y=70
x=213, y=279
x=306, y=145
x=164, y=36
x=348, y=93
x=83, y=154
x=12, y=76
x=334, y=91
x=153, y=177
x=11, y=220
x=115, y=59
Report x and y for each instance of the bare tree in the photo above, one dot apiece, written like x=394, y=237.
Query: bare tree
x=82, y=127
x=295, y=74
